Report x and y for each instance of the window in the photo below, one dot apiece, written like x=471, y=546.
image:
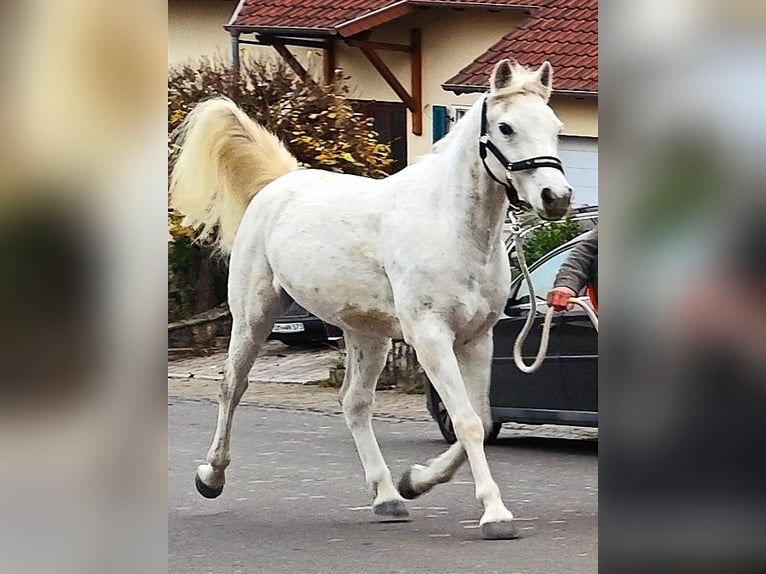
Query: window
x=542, y=278
x=444, y=117
x=457, y=113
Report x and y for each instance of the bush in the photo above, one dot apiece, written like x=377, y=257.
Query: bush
x=544, y=239
x=318, y=124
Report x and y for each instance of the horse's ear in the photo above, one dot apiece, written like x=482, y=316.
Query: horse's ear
x=545, y=77
x=501, y=75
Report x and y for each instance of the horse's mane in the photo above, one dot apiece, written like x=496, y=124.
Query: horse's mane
x=523, y=81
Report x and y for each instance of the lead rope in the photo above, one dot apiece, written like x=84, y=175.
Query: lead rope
x=545, y=335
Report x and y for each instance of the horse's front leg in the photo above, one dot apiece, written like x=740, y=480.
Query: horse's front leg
x=475, y=361
x=434, y=343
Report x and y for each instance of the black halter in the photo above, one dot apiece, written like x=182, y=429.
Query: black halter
x=510, y=166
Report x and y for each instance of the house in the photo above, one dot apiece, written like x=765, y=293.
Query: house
x=196, y=29
x=566, y=34
x=415, y=65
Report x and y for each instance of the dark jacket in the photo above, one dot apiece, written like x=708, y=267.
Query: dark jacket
x=581, y=267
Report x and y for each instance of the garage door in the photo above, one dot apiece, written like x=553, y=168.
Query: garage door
x=580, y=157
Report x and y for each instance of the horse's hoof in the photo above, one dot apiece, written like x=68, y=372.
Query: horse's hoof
x=499, y=531
x=405, y=486
x=205, y=490
x=391, y=510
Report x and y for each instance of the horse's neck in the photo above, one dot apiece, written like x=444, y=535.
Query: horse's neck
x=476, y=203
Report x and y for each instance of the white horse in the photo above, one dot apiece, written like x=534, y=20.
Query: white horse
x=417, y=255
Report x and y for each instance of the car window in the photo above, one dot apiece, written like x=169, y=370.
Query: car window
x=542, y=277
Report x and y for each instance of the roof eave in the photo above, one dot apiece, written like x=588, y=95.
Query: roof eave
x=281, y=30
x=375, y=18
x=404, y=7
x=576, y=93
x=463, y=88
x=471, y=89
x=489, y=6
x=371, y=19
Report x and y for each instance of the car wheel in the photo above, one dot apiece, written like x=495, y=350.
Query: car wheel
x=444, y=422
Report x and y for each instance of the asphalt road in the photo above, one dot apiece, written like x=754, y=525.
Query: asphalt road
x=295, y=501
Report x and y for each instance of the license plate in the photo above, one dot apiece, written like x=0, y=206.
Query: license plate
x=288, y=328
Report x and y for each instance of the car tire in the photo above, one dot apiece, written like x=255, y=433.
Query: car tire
x=444, y=422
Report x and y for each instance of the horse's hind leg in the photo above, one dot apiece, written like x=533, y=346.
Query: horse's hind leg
x=364, y=362
x=253, y=315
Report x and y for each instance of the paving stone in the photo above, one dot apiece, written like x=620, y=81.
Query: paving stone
x=277, y=362
x=388, y=403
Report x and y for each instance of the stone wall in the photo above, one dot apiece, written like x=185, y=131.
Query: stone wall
x=208, y=330
x=402, y=369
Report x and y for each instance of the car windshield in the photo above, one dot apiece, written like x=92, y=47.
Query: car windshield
x=542, y=277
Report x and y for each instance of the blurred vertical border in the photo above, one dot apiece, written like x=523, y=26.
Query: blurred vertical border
x=683, y=294
x=83, y=232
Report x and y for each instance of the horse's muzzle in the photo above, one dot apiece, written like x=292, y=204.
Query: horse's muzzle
x=555, y=206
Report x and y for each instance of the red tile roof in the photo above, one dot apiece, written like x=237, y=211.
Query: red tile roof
x=343, y=17
x=565, y=33
x=315, y=14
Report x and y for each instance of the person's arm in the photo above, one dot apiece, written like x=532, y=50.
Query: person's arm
x=574, y=273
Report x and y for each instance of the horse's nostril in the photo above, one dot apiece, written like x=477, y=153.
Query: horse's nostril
x=547, y=194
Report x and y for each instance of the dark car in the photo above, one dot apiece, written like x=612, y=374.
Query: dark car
x=299, y=327
x=565, y=388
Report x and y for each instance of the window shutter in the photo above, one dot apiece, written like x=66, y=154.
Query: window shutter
x=440, y=122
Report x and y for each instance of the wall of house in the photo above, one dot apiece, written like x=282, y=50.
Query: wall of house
x=195, y=29
x=580, y=115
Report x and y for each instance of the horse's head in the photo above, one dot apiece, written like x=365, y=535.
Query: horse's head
x=520, y=125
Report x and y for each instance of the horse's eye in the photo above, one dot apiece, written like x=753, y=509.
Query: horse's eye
x=505, y=129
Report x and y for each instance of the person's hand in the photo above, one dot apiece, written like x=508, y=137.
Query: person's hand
x=559, y=297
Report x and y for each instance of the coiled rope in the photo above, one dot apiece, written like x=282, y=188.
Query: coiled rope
x=582, y=302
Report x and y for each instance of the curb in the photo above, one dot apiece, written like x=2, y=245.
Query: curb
x=218, y=378
x=390, y=417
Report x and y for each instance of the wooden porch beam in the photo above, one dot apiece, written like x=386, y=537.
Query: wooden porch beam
x=288, y=57
x=388, y=76
x=329, y=62
x=380, y=46
x=416, y=70
x=267, y=40
x=414, y=101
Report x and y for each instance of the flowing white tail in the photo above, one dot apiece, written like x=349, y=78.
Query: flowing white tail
x=226, y=158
